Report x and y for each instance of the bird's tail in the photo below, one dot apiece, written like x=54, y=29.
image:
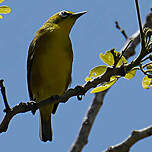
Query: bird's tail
x=45, y=128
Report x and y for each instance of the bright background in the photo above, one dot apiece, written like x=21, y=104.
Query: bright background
x=127, y=105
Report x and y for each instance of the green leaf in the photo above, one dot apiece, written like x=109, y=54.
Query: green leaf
x=105, y=85
x=98, y=70
x=88, y=79
x=95, y=72
x=5, y=9
x=121, y=61
x=147, y=83
x=130, y=74
x=107, y=58
x=1, y=1
x=149, y=68
x=1, y=17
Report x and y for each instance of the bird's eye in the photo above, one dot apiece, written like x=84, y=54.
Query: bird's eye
x=63, y=14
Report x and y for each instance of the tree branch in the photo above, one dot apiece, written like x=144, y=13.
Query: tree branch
x=82, y=138
x=3, y=92
x=136, y=38
x=93, y=110
x=140, y=25
x=77, y=91
x=84, y=132
x=131, y=140
x=121, y=30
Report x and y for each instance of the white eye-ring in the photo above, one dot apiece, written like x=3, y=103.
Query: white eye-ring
x=63, y=14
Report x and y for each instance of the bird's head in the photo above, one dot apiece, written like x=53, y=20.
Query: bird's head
x=64, y=20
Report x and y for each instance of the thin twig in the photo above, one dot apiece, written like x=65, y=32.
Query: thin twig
x=82, y=138
x=23, y=107
x=145, y=72
x=150, y=63
x=136, y=38
x=140, y=25
x=145, y=59
x=77, y=145
x=3, y=92
x=77, y=91
x=136, y=136
x=121, y=30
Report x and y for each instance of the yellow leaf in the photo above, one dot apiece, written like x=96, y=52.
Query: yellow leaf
x=1, y=1
x=130, y=74
x=95, y=72
x=5, y=9
x=146, y=83
x=104, y=86
x=98, y=70
x=107, y=58
x=121, y=61
x=1, y=17
x=88, y=79
x=149, y=68
x=114, y=77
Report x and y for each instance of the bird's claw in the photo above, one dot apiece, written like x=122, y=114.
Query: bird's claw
x=80, y=90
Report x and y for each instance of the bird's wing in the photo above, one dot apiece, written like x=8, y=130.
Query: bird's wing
x=29, y=65
x=31, y=55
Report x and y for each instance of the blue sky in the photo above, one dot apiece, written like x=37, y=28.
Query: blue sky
x=127, y=105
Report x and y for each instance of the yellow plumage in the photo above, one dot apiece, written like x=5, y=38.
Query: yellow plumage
x=49, y=64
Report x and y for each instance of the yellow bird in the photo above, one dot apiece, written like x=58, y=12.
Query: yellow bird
x=49, y=65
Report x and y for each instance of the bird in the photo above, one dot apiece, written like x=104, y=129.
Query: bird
x=49, y=65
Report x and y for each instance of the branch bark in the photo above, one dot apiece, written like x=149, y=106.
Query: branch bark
x=136, y=136
x=84, y=132
x=93, y=110
x=82, y=138
x=78, y=91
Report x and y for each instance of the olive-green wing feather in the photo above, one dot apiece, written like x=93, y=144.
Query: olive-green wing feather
x=29, y=66
x=31, y=54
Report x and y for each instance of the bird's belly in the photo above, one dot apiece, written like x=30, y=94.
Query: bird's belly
x=52, y=74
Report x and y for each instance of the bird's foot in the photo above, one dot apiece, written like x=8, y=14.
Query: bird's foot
x=33, y=106
x=80, y=90
x=55, y=97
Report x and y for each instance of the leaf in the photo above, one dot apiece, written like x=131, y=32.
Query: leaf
x=88, y=79
x=121, y=61
x=95, y=72
x=98, y=70
x=149, y=68
x=146, y=83
x=130, y=74
x=1, y=1
x=105, y=85
x=5, y=9
x=1, y=17
x=107, y=58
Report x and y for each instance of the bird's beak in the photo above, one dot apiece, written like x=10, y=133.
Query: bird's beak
x=77, y=15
